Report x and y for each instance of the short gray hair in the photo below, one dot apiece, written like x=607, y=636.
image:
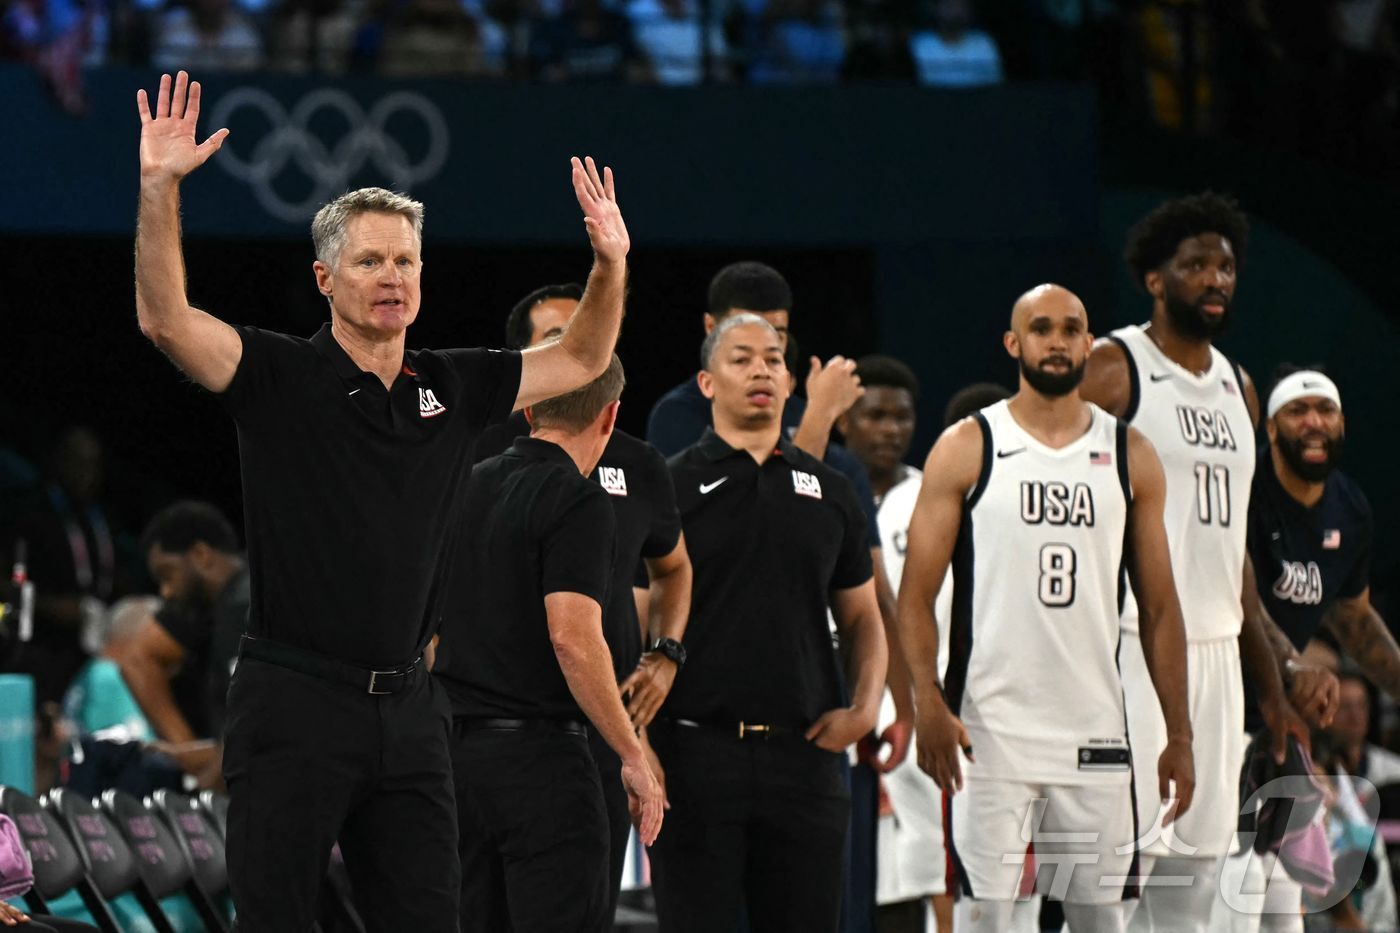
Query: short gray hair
x=576, y=410
x=328, y=226
x=712, y=339
x=126, y=616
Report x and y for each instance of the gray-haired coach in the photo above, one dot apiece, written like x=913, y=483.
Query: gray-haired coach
x=353, y=452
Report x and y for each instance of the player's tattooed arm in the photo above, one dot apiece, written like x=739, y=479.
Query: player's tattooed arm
x=950, y=473
x=1265, y=654
x=1364, y=636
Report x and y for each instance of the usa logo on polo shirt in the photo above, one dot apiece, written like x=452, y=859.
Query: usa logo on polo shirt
x=428, y=405
x=613, y=480
x=805, y=484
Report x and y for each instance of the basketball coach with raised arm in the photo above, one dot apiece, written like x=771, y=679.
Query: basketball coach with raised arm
x=353, y=452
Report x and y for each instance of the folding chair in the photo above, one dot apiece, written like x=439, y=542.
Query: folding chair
x=111, y=863
x=58, y=865
x=160, y=859
x=215, y=806
x=201, y=843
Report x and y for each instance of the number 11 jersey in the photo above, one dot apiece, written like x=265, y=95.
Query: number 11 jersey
x=1201, y=428
x=1037, y=586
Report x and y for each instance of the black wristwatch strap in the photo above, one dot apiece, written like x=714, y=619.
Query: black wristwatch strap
x=671, y=649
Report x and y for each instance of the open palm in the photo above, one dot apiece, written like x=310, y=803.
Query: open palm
x=168, y=149
x=598, y=198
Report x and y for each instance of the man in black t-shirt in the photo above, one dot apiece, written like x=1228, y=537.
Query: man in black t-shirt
x=193, y=556
x=1310, y=530
x=524, y=661
x=754, y=735
x=644, y=625
x=353, y=452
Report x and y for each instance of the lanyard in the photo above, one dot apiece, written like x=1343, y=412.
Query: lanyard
x=92, y=580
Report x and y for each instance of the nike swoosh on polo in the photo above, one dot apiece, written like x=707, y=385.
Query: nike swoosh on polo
x=1159, y=377
x=1010, y=453
x=707, y=488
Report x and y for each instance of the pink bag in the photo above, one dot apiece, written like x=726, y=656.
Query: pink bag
x=16, y=871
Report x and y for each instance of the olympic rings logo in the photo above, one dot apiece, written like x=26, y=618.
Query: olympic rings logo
x=329, y=167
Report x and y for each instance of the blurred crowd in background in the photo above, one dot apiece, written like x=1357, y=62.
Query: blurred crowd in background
x=1320, y=78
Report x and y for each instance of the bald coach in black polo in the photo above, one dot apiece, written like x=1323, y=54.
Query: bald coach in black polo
x=353, y=452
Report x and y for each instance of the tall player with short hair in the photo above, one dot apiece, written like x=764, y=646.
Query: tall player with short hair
x=1198, y=408
x=1039, y=502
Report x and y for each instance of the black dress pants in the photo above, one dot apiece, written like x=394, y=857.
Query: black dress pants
x=533, y=830
x=758, y=822
x=309, y=762
x=619, y=817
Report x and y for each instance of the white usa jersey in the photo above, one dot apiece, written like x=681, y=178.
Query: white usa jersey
x=1201, y=428
x=1037, y=585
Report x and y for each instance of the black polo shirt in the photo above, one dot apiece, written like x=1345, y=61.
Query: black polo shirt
x=634, y=473
x=349, y=489
x=648, y=525
x=768, y=545
x=535, y=526
x=1304, y=557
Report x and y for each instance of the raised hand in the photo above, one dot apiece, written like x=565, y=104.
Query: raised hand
x=598, y=198
x=168, y=149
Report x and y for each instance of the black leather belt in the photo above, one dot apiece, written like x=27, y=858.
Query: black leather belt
x=740, y=730
x=376, y=682
x=476, y=724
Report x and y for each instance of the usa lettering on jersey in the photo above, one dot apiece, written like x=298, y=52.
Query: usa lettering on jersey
x=428, y=404
x=1201, y=427
x=1057, y=504
x=613, y=480
x=1299, y=583
x=805, y=484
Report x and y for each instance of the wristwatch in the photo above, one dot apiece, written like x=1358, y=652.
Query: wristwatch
x=671, y=649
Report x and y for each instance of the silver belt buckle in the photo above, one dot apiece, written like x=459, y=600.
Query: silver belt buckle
x=373, y=676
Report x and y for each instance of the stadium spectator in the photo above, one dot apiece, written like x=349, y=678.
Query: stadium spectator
x=676, y=45
x=216, y=34
x=98, y=700
x=951, y=53
x=798, y=42
x=587, y=42
x=72, y=561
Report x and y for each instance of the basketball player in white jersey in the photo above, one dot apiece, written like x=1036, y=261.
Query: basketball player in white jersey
x=1199, y=410
x=1038, y=502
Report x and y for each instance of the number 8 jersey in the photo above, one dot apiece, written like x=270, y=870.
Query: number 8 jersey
x=1037, y=583
x=1201, y=428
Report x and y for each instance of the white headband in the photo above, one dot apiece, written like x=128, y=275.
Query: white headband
x=1305, y=384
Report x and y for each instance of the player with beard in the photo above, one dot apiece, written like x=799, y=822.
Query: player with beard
x=1310, y=530
x=1199, y=409
x=1039, y=502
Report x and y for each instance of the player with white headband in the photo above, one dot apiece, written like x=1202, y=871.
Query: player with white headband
x=1310, y=539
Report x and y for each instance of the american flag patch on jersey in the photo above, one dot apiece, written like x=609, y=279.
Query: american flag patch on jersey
x=1100, y=458
x=1331, y=539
